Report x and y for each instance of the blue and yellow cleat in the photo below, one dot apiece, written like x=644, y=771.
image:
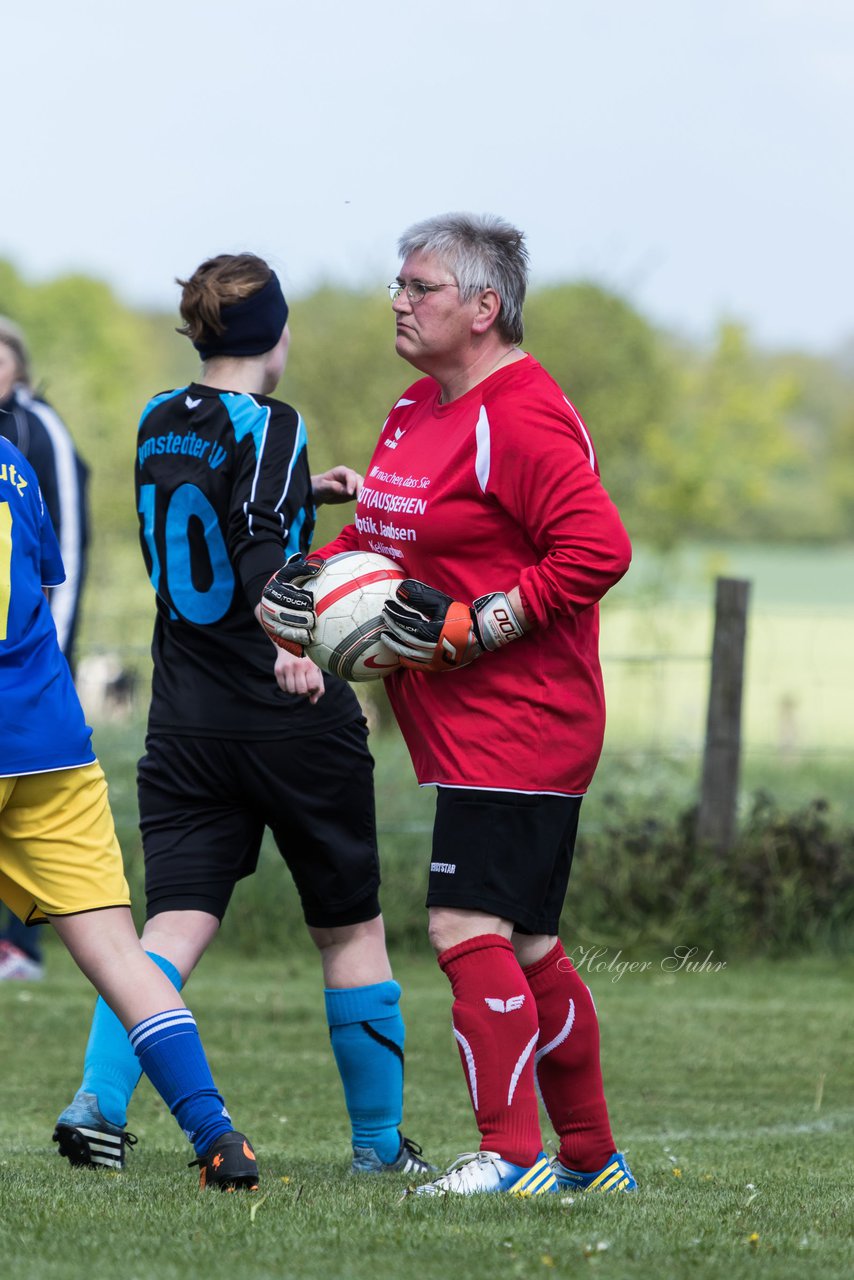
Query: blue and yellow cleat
x=480, y=1172
x=614, y=1176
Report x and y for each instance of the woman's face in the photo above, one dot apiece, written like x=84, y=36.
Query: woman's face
x=438, y=327
x=276, y=361
x=9, y=373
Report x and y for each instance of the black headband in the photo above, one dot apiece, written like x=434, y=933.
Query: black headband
x=252, y=326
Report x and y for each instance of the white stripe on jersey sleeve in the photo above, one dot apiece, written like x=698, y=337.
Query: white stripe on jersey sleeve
x=265, y=409
x=300, y=443
x=581, y=427
x=483, y=455
x=64, y=597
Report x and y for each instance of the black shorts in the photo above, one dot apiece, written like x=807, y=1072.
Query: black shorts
x=204, y=804
x=503, y=852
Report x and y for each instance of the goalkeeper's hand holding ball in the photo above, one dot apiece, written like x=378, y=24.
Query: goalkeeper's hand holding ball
x=286, y=609
x=430, y=631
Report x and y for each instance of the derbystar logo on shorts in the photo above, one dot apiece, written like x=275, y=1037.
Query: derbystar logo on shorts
x=447, y=868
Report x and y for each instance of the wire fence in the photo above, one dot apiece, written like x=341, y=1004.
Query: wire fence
x=798, y=689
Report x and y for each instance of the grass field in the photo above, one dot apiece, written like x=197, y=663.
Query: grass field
x=731, y=1090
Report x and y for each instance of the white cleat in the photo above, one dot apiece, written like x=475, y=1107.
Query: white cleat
x=479, y=1172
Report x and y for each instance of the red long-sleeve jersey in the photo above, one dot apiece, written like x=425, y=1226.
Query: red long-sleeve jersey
x=496, y=489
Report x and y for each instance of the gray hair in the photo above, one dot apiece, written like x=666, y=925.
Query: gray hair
x=11, y=337
x=482, y=252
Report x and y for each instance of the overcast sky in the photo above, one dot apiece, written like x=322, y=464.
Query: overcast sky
x=695, y=156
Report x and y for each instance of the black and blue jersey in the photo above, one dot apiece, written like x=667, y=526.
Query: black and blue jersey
x=224, y=498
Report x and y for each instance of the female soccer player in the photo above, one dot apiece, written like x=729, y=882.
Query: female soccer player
x=242, y=735
x=35, y=428
x=59, y=857
x=509, y=540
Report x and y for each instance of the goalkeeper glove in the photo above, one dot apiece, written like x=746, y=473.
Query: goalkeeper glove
x=432, y=632
x=287, y=610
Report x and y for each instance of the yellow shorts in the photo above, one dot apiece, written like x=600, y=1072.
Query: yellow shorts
x=58, y=849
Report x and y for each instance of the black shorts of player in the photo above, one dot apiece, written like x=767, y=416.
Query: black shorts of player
x=507, y=853
x=204, y=804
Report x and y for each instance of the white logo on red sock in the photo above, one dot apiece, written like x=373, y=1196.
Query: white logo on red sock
x=504, y=1006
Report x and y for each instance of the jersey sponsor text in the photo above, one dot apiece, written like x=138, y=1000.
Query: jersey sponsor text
x=403, y=534
x=402, y=482
x=187, y=443
x=392, y=502
x=11, y=475
x=383, y=549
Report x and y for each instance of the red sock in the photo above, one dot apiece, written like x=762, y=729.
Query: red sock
x=568, y=1070
x=495, y=1023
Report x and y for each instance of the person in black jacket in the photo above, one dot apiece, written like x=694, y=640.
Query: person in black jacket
x=35, y=428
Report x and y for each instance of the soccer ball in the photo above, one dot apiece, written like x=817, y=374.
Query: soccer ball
x=349, y=593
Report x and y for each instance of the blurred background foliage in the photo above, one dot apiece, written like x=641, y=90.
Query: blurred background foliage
x=718, y=455
x=698, y=443
x=695, y=441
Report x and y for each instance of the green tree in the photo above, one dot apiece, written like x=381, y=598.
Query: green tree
x=714, y=467
x=97, y=361
x=693, y=442
x=819, y=498
x=614, y=367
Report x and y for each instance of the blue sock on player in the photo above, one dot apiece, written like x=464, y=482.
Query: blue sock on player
x=367, y=1033
x=170, y=1053
x=111, y=1069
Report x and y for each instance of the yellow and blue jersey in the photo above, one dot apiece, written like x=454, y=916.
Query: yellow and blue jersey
x=42, y=726
x=33, y=426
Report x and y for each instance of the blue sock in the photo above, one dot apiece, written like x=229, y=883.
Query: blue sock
x=171, y=1055
x=111, y=1068
x=367, y=1033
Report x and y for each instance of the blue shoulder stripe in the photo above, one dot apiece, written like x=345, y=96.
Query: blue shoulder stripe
x=161, y=399
x=247, y=417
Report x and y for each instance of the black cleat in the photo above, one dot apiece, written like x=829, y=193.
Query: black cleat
x=408, y=1160
x=86, y=1138
x=229, y=1164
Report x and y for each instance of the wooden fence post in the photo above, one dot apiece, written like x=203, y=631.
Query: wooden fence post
x=716, y=816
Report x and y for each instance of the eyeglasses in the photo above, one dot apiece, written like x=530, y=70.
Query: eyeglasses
x=416, y=291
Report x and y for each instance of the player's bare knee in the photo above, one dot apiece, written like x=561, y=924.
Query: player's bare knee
x=445, y=928
x=365, y=933
x=449, y=926
x=180, y=937
x=530, y=948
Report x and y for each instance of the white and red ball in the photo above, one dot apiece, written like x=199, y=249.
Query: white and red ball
x=349, y=593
